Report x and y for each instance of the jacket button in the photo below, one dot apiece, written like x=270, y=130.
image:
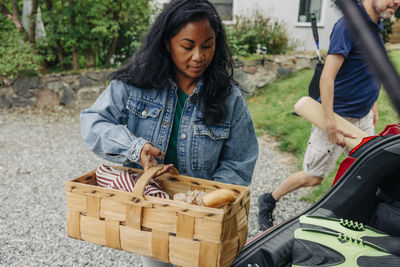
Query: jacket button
x=184, y=170
x=183, y=136
x=144, y=113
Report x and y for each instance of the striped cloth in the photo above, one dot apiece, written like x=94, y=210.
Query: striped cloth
x=125, y=180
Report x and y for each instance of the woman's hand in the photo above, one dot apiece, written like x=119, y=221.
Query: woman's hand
x=148, y=157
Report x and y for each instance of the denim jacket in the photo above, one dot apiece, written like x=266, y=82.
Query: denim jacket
x=124, y=118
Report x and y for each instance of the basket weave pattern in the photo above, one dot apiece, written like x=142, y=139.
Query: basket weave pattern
x=166, y=230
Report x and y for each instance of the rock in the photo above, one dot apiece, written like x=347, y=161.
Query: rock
x=67, y=96
x=250, y=69
x=27, y=94
x=238, y=63
x=87, y=95
x=263, y=78
x=251, y=63
x=104, y=76
x=81, y=90
x=270, y=66
x=242, y=78
x=6, y=95
x=56, y=86
x=99, y=76
x=281, y=72
x=26, y=83
x=4, y=102
x=289, y=63
x=18, y=102
x=7, y=81
x=85, y=81
x=47, y=98
x=302, y=63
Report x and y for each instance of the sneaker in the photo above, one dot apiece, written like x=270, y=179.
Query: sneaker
x=266, y=205
x=354, y=230
x=314, y=247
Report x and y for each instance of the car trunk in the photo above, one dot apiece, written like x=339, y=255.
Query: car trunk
x=375, y=166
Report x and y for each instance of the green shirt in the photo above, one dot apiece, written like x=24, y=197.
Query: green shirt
x=171, y=156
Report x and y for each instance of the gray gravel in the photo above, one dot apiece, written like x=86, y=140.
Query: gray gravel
x=40, y=150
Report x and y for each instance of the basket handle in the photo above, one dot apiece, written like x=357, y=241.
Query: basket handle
x=144, y=179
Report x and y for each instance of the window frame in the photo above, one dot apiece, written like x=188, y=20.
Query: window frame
x=234, y=13
x=320, y=23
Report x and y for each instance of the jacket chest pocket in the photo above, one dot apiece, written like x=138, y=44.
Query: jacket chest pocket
x=143, y=117
x=207, y=144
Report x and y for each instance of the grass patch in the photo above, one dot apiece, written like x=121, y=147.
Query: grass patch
x=271, y=109
x=272, y=106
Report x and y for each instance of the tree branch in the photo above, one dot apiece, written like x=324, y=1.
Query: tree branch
x=32, y=21
x=49, y=5
x=14, y=18
x=113, y=46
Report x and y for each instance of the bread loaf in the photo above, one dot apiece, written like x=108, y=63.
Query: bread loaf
x=218, y=198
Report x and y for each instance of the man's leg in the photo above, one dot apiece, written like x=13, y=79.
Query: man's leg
x=295, y=181
x=319, y=160
x=267, y=201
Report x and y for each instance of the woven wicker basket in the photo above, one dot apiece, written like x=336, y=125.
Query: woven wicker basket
x=166, y=230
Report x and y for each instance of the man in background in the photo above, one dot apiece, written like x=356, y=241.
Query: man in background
x=347, y=88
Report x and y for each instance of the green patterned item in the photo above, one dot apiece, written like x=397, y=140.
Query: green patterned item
x=314, y=247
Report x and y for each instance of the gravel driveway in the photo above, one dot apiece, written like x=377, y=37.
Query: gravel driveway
x=40, y=150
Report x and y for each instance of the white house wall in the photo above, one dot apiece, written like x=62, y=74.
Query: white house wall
x=286, y=11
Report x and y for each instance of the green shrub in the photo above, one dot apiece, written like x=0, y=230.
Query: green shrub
x=247, y=32
x=16, y=57
x=98, y=33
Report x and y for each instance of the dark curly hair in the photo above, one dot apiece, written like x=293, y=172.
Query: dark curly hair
x=151, y=66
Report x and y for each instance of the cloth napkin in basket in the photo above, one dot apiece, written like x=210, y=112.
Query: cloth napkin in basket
x=125, y=180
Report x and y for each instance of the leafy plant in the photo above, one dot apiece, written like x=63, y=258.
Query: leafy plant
x=248, y=32
x=90, y=33
x=387, y=29
x=16, y=58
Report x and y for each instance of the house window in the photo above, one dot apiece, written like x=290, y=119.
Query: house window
x=224, y=8
x=307, y=7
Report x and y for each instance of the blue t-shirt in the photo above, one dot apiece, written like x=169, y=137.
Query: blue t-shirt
x=356, y=90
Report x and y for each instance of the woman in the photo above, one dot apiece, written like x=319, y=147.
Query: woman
x=175, y=102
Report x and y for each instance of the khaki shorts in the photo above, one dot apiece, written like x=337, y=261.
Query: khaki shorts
x=321, y=155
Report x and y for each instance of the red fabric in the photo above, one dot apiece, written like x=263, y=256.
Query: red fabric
x=110, y=177
x=392, y=129
x=346, y=163
x=363, y=141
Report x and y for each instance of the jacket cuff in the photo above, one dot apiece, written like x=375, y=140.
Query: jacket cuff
x=134, y=151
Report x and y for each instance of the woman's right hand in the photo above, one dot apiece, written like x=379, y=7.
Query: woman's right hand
x=148, y=157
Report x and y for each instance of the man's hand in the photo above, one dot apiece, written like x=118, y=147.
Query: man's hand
x=335, y=135
x=375, y=112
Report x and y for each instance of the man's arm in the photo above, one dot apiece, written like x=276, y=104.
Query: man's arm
x=327, y=87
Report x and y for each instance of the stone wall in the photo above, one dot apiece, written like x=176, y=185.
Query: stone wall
x=80, y=90
x=257, y=73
